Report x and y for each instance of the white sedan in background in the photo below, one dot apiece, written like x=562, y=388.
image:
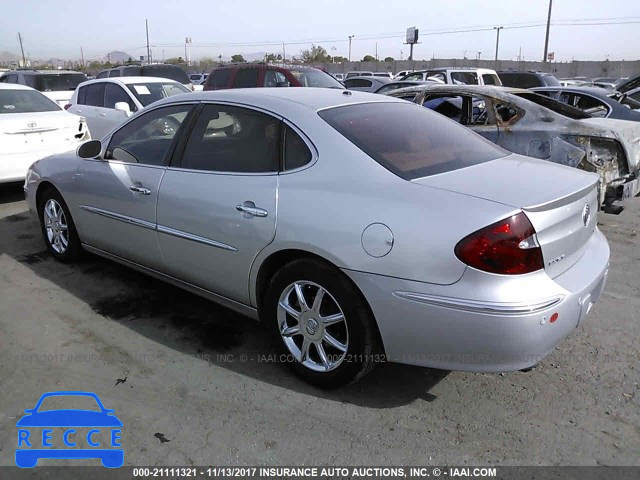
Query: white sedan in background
x=107, y=102
x=32, y=127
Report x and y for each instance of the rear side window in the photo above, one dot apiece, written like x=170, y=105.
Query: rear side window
x=410, y=141
x=467, y=78
x=358, y=83
x=95, y=95
x=114, y=73
x=82, y=96
x=296, y=151
x=246, y=78
x=103, y=74
x=219, y=78
x=490, y=79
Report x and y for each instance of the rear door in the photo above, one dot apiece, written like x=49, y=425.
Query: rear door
x=217, y=202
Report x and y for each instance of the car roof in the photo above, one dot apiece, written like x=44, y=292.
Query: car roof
x=47, y=72
x=595, y=91
x=129, y=80
x=14, y=86
x=312, y=98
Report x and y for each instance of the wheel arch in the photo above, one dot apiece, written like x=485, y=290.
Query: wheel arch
x=278, y=259
x=42, y=187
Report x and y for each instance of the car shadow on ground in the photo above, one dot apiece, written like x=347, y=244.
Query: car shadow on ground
x=11, y=192
x=191, y=325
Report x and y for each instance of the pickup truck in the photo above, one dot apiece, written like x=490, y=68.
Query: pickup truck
x=456, y=76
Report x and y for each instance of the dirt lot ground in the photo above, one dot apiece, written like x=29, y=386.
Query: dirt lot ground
x=183, y=376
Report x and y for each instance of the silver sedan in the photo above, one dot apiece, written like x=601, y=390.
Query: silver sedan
x=360, y=228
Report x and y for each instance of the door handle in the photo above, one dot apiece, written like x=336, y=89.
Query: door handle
x=250, y=209
x=142, y=190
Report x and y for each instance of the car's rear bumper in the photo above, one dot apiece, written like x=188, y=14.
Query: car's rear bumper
x=484, y=322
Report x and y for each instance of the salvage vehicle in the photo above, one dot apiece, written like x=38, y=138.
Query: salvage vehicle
x=434, y=260
x=107, y=102
x=58, y=85
x=33, y=126
x=531, y=124
x=456, y=76
x=595, y=101
x=400, y=84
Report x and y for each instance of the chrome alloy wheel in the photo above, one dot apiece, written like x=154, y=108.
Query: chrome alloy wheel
x=55, y=224
x=313, y=326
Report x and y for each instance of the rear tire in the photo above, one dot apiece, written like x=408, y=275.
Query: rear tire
x=58, y=230
x=321, y=324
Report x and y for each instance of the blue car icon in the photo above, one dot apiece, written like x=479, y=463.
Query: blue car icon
x=68, y=418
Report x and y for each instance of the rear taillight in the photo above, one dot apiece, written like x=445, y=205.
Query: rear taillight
x=67, y=106
x=508, y=247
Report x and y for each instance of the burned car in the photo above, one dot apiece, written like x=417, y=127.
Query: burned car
x=538, y=126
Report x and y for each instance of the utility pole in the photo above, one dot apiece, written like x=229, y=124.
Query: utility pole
x=546, y=38
x=497, y=29
x=284, y=56
x=24, y=60
x=350, y=37
x=82, y=55
x=146, y=22
x=376, y=51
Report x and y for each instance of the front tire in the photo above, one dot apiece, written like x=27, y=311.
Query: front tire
x=58, y=230
x=321, y=324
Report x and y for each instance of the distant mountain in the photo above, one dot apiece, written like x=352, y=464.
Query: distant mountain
x=118, y=57
x=6, y=57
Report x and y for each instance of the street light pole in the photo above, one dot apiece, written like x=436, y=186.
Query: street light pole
x=546, y=38
x=497, y=29
x=350, y=37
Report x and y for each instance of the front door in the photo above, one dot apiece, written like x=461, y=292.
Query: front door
x=217, y=202
x=118, y=194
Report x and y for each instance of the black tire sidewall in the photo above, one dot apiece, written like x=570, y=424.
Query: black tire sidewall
x=73, y=250
x=361, y=349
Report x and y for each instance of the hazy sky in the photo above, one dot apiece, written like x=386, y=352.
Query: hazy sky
x=59, y=28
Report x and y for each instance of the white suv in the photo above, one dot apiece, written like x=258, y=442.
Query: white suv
x=457, y=76
x=107, y=102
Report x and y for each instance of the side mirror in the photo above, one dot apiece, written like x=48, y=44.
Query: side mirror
x=90, y=149
x=123, y=107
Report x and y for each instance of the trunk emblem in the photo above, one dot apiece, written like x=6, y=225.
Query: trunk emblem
x=586, y=214
x=31, y=124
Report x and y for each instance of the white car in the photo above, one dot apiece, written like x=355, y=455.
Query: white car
x=32, y=127
x=107, y=102
x=403, y=73
x=197, y=81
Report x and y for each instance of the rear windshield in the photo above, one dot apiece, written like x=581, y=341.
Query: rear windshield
x=59, y=82
x=410, y=141
x=25, y=101
x=171, y=72
x=147, y=93
x=554, y=105
x=315, y=78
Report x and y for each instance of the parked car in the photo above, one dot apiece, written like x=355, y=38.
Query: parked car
x=520, y=79
x=33, y=126
x=249, y=75
x=595, y=101
x=531, y=124
x=388, y=75
x=365, y=84
x=402, y=73
x=58, y=85
x=338, y=76
x=456, y=76
x=357, y=73
x=574, y=82
x=197, y=80
x=630, y=87
x=161, y=70
x=434, y=260
x=107, y=102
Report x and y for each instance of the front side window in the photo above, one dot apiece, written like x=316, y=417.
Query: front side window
x=311, y=77
x=410, y=141
x=147, y=93
x=274, y=78
x=415, y=77
x=464, y=78
x=25, y=101
x=115, y=93
x=233, y=139
x=149, y=137
x=246, y=78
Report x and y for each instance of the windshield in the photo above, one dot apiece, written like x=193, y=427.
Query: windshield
x=147, y=93
x=554, y=105
x=410, y=141
x=65, y=402
x=309, y=77
x=25, y=101
x=59, y=82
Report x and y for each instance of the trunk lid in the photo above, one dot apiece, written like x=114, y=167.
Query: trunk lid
x=560, y=202
x=39, y=132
